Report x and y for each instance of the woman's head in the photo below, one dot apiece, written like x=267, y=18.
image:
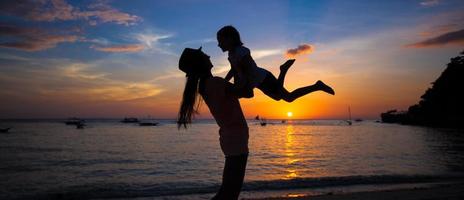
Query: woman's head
x=196, y=65
x=228, y=38
x=195, y=62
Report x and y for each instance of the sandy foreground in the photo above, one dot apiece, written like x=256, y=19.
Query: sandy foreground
x=446, y=191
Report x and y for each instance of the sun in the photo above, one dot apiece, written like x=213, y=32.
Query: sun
x=289, y=114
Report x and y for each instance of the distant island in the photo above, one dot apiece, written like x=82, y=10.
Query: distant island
x=442, y=105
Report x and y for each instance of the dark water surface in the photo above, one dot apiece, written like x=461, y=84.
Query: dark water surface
x=108, y=159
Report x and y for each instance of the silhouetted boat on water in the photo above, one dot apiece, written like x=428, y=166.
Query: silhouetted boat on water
x=148, y=123
x=349, y=122
x=130, y=120
x=263, y=121
x=80, y=126
x=74, y=121
x=5, y=130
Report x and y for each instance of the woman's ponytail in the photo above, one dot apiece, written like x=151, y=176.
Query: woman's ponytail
x=190, y=101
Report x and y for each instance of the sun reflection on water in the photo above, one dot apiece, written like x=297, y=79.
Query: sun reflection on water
x=291, y=171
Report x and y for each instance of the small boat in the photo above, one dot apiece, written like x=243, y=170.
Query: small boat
x=148, y=123
x=130, y=120
x=5, y=130
x=263, y=122
x=349, y=122
x=73, y=121
x=80, y=126
x=358, y=120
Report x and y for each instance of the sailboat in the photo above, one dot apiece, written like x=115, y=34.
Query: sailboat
x=263, y=121
x=349, y=113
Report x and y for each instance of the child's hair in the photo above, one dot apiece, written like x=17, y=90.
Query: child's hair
x=232, y=33
x=193, y=63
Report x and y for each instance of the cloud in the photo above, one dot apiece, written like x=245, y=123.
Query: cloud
x=80, y=71
x=60, y=10
x=32, y=39
x=439, y=29
x=429, y=3
x=455, y=37
x=98, y=86
x=168, y=76
x=101, y=12
x=201, y=41
x=131, y=91
x=145, y=42
x=261, y=53
x=301, y=49
x=120, y=48
x=90, y=82
x=151, y=40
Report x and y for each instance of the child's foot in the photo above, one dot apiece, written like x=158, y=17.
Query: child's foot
x=287, y=65
x=322, y=86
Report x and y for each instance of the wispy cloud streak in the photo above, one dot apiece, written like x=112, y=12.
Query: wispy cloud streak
x=32, y=39
x=60, y=10
x=450, y=38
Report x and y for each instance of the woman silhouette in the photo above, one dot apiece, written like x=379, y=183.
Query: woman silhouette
x=226, y=110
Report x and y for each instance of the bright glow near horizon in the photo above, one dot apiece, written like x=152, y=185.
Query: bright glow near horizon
x=289, y=114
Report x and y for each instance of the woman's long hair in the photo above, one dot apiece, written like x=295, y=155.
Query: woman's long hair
x=190, y=101
x=195, y=64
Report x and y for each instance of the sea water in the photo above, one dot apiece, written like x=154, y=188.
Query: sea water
x=46, y=159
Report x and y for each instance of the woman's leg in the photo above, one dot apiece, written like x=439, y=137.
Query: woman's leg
x=232, y=177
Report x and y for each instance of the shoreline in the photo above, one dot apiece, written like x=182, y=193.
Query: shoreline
x=449, y=191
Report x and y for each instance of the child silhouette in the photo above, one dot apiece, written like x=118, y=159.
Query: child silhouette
x=247, y=75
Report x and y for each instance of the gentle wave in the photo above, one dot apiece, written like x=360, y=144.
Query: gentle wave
x=114, y=190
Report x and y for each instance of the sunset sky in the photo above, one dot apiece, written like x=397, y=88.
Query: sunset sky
x=63, y=58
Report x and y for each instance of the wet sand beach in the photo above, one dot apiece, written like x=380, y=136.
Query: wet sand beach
x=437, y=192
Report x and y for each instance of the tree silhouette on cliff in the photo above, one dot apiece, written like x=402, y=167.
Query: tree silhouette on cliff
x=443, y=103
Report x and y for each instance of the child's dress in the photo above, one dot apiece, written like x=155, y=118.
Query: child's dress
x=254, y=75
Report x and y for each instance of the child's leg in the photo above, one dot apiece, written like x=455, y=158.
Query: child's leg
x=295, y=94
x=272, y=88
x=283, y=71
